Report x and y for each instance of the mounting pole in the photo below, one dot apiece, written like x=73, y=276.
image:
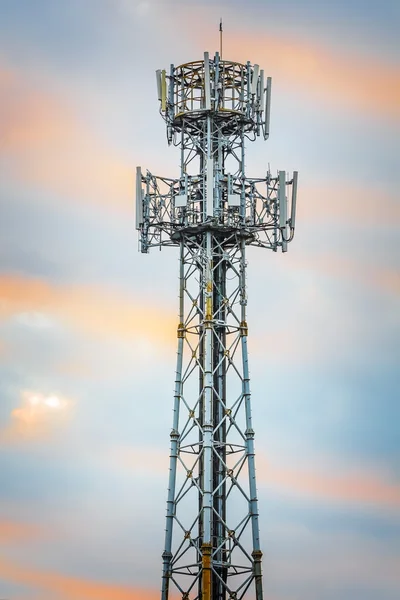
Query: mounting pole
x=212, y=211
x=220, y=39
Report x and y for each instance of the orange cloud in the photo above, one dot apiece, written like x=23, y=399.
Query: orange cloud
x=383, y=278
x=71, y=588
x=359, y=205
x=363, y=488
x=358, y=487
x=11, y=531
x=45, y=143
x=339, y=79
x=94, y=310
x=37, y=416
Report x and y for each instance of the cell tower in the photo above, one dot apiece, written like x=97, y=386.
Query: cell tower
x=211, y=212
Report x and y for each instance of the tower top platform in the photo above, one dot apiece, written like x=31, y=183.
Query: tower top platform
x=238, y=95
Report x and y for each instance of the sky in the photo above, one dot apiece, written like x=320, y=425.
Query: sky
x=88, y=324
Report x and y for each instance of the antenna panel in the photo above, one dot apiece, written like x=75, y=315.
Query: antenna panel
x=207, y=88
x=294, y=197
x=158, y=77
x=139, y=198
x=267, y=107
x=282, y=208
x=262, y=93
x=163, y=91
x=282, y=199
x=254, y=79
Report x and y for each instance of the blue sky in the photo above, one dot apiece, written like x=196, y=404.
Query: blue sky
x=85, y=318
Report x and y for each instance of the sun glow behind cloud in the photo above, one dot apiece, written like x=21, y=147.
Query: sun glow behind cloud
x=38, y=415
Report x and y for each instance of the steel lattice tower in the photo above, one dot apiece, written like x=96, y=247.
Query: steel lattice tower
x=212, y=211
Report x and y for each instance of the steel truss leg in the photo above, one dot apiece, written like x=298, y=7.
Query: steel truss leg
x=212, y=333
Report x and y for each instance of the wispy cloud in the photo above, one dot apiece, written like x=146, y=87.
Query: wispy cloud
x=365, y=487
x=338, y=80
x=16, y=532
x=44, y=142
x=70, y=588
x=359, y=205
x=94, y=310
x=37, y=416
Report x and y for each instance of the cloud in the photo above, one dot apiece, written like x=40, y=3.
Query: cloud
x=134, y=8
x=314, y=561
x=358, y=83
x=70, y=588
x=94, y=310
x=12, y=531
x=361, y=205
x=44, y=142
x=379, y=277
x=361, y=487
x=38, y=415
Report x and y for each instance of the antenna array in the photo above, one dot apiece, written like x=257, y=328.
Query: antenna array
x=212, y=212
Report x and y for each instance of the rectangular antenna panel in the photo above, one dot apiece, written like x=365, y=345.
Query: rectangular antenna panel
x=282, y=208
x=267, y=107
x=210, y=188
x=163, y=91
x=282, y=199
x=254, y=80
x=181, y=200
x=261, y=90
x=207, y=89
x=139, y=198
x=159, y=91
x=294, y=197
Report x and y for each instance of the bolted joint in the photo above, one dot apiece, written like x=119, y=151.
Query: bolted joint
x=244, y=330
x=249, y=433
x=174, y=435
x=257, y=555
x=166, y=556
x=181, y=330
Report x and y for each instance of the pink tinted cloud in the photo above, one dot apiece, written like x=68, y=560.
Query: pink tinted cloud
x=336, y=79
x=38, y=416
x=359, y=487
x=44, y=142
x=16, y=532
x=94, y=310
x=363, y=272
x=64, y=587
x=362, y=487
x=359, y=205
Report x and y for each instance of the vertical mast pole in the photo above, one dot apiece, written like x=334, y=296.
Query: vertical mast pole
x=220, y=39
x=167, y=554
x=249, y=433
